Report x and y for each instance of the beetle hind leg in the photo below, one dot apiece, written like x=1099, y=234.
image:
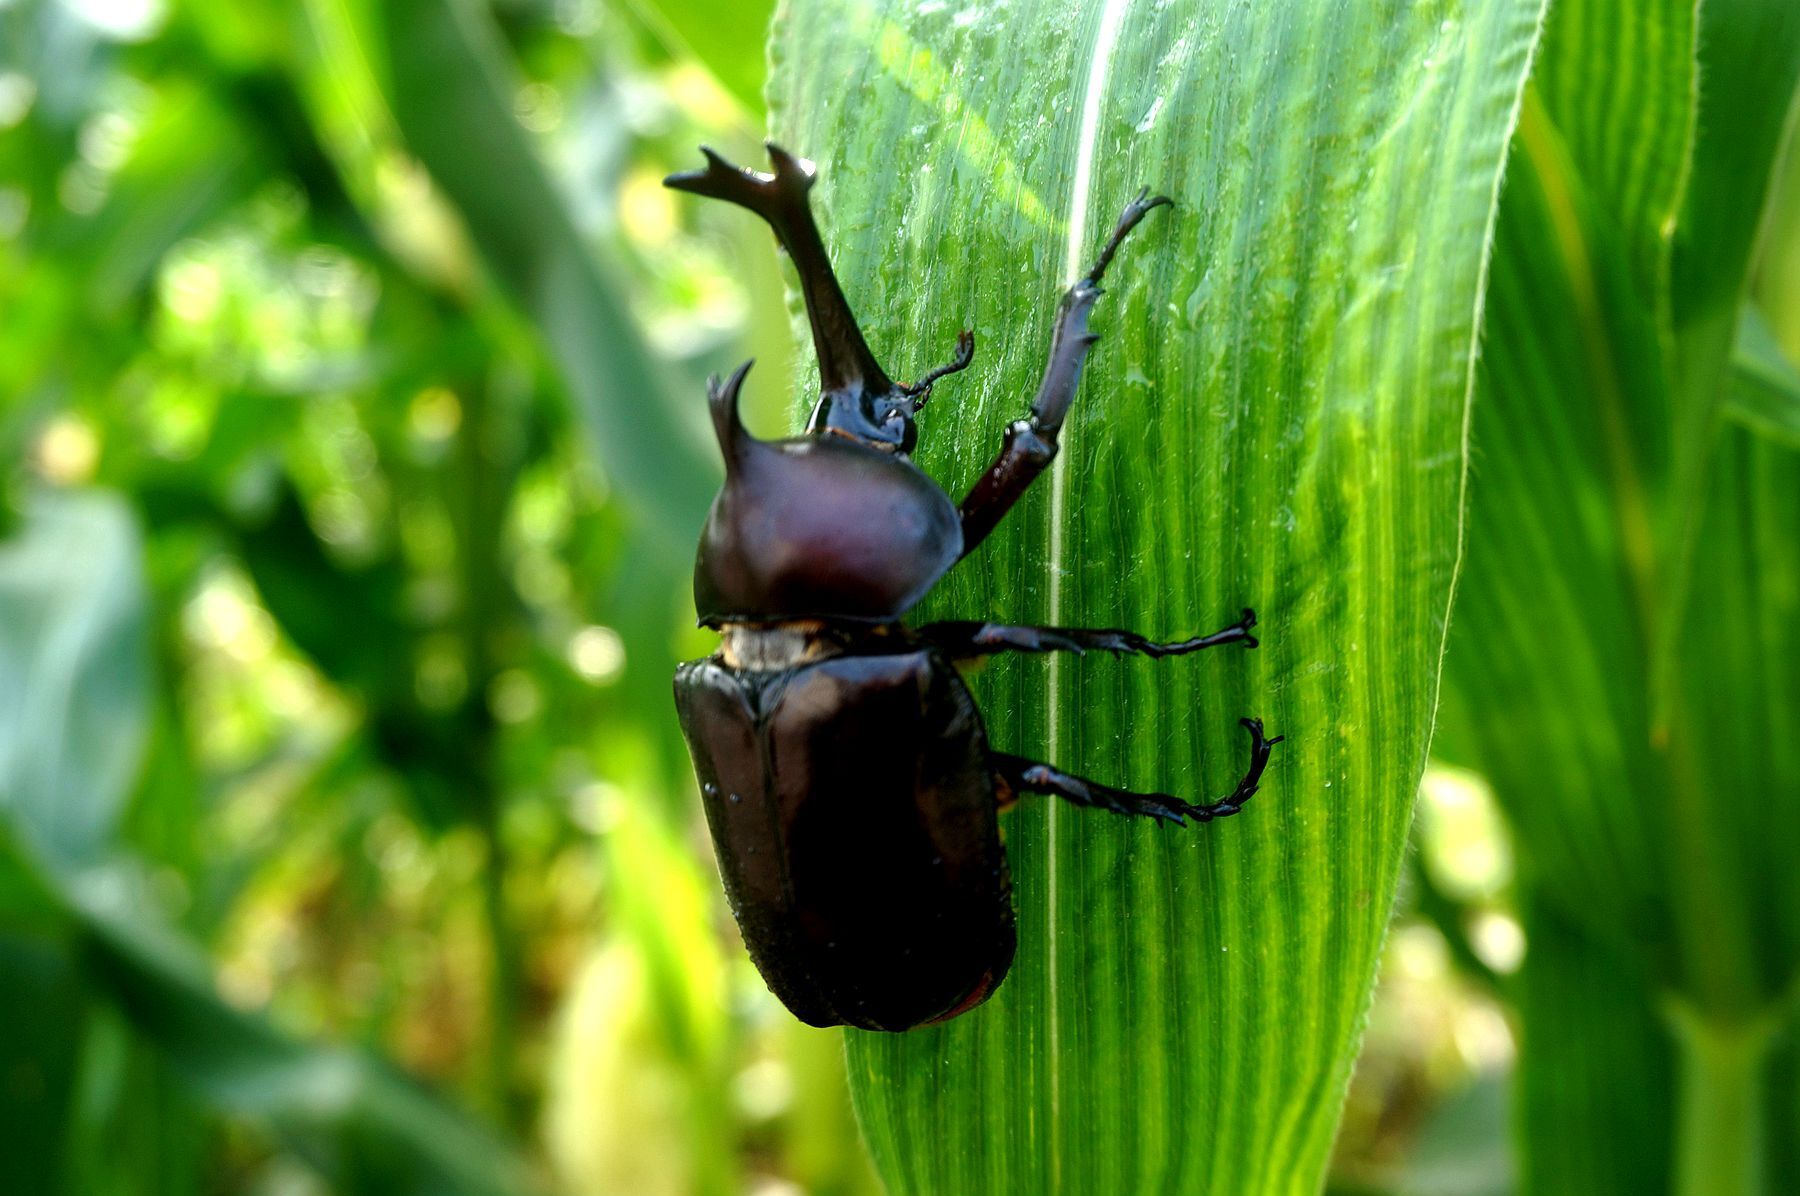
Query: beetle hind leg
x=1017, y=775
x=967, y=640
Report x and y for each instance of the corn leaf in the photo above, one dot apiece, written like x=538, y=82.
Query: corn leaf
x=1764, y=392
x=1273, y=418
x=1623, y=656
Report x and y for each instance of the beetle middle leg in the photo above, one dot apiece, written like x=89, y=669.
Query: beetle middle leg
x=965, y=640
x=1016, y=775
x=1031, y=443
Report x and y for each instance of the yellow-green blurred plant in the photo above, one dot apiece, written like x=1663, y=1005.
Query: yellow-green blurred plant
x=348, y=721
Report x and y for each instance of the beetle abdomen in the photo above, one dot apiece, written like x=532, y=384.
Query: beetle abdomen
x=822, y=528
x=854, y=820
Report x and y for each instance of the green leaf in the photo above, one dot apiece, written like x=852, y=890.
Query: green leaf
x=358, y=1121
x=725, y=35
x=192, y=162
x=450, y=87
x=39, y=1002
x=1748, y=58
x=1620, y=659
x=1596, y=1059
x=72, y=655
x=1764, y=392
x=73, y=703
x=1273, y=417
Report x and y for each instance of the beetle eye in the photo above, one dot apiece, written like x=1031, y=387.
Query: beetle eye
x=899, y=428
x=909, y=433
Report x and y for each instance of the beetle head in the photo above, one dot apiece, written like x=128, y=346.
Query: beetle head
x=837, y=524
x=881, y=421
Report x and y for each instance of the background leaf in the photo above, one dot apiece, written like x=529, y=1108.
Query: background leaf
x=1274, y=418
x=1764, y=391
x=449, y=86
x=361, y=1124
x=72, y=663
x=72, y=714
x=727, y=35
x=1621, y=656
x=406, y=731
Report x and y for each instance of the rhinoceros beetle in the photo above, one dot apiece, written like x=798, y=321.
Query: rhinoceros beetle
x=847, y=778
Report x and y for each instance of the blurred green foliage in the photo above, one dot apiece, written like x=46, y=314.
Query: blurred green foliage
x=350, y=453
x=350, y=495
x=1626, y=650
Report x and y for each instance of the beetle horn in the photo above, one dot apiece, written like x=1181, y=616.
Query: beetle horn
x=723, y=402
x=846, y=363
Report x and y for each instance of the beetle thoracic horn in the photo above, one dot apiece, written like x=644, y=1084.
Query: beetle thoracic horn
x=722, y=400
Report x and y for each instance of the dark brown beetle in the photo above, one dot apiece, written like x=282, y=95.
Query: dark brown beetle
x=847, y=777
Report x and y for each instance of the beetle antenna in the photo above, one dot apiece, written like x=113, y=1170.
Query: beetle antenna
x=723, y=402
x=920, y=391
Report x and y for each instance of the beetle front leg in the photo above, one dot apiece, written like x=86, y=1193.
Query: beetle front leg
x=1031, y=443
x=1015, y=775
x=966, y=640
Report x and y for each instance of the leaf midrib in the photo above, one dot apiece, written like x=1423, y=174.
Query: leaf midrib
x=1099, y=65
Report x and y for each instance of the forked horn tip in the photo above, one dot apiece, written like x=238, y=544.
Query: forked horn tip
x=786, y=163
x=697, y=180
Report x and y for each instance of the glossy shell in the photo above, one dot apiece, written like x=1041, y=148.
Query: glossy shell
x=821, y=528
x=854, y=820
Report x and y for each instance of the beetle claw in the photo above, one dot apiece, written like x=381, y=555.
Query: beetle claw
x=1134, y=213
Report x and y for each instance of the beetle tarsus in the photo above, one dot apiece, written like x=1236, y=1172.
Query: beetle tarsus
x=1031, y=443
x=1015, y=774
x=920, y=391
x=1141, y=206
x=966, y=640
